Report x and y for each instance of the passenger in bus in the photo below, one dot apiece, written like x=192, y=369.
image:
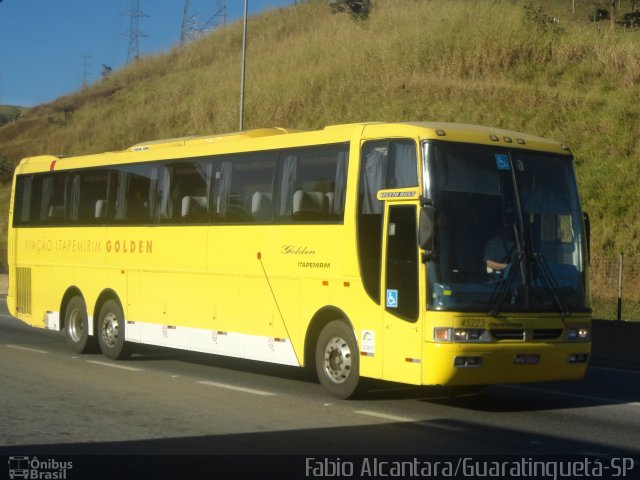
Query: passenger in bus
x=137, y=207
x=499, y=251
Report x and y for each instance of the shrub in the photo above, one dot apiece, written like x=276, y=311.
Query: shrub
x=358, y=9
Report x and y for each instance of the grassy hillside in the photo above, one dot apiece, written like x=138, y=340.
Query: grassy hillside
x=9, y=113
x=486, y=62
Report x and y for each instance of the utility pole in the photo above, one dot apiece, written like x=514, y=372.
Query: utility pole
x=244, y=62
x=133, y=53
x=185, y=22
x=85, y=69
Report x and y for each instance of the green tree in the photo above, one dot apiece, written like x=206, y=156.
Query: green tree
x=357, y=9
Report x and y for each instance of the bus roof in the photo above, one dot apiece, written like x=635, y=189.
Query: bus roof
x=204, y=139
x=454, y=132
x=468, y=133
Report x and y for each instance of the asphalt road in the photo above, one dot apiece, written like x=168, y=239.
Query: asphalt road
x=169, y=402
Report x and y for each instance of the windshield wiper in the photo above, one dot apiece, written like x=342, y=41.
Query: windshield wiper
x=504, y=286
x=547, y=277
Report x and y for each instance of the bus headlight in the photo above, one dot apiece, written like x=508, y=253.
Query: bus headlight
x=461, y=335
x=578, y=334
x=468, y=334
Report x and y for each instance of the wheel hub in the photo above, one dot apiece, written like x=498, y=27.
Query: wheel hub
x=110, y=330
x=337, y=360
x=76, y=327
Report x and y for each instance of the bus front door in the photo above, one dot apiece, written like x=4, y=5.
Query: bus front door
x=402, y=346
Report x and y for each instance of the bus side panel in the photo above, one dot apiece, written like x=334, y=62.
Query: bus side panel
x=272, y=319
x=11, y=259
x=366, y=317
x=132, y=305
x=40, y=283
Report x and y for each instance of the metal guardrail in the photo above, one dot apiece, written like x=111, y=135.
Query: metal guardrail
x=614, y=286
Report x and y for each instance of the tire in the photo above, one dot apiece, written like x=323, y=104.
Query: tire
x=111, y=331
x=338, y=360
x=76, y=327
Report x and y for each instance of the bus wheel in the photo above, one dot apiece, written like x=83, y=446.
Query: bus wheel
x=111, y=331
x=76, y=327
x=337, y=360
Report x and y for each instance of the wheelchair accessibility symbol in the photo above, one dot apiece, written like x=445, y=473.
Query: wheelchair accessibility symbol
x=392, y=298
x=502, y=161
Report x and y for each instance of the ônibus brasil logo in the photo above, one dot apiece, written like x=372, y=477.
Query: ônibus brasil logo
x=33, y=468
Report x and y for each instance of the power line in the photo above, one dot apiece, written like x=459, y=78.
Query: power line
x=218, y=18
x=192, y=28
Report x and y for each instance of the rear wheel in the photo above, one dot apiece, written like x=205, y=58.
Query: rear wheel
x=111, y=328
x=76, y=327
x=337, y=360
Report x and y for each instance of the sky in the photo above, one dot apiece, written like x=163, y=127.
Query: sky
x=49, y=48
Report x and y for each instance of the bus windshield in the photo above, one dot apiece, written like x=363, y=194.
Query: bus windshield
x=509, y=231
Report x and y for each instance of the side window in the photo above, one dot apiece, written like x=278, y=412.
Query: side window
x=312, y=183
x=193, y=190
x=183, y=192
x=40, y=199
x=48, y=198
x=384, y=164
x=22, y=214
x=133, y=194
x=244, y=188
x=87, y=197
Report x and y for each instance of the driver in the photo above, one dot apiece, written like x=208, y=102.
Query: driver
x=498, y=251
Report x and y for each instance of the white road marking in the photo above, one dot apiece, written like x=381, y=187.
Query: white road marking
x=237, y=389
x=113, y=365
x=384, y=416
x=397, y=418
x=26, y=349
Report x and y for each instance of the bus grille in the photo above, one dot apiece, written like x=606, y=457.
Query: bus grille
x=522, y=335
x=23, y=295
x=547, y=333
x=507, y=334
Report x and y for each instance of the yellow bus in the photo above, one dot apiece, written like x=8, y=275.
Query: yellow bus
x=422, y=253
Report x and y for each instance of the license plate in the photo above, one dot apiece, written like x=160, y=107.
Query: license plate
x=526, y=359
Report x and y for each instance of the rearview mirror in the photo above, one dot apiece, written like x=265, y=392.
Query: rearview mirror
x=426, y=229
